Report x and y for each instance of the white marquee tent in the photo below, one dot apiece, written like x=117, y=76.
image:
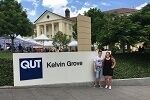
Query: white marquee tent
x=42, y=37
x=48, y=43
x=73, y=43
x=25, y=42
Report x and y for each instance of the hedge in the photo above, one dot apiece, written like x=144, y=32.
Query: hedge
x=132, y=65
x=6, y=72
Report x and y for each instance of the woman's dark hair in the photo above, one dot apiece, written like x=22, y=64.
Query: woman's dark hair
x=109, y=54
x=99, y=51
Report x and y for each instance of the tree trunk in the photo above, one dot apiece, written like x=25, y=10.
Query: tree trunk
x=111, y=46
x=12, y=43
x=123, y=47
x=128, y=47
x=92, y=48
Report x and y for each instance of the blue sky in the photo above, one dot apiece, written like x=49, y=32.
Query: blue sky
x=35, y=8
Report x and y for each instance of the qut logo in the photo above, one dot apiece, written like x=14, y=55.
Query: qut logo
x=30, y=64
x=30, y=68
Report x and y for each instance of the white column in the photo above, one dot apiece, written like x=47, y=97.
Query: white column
x=45, y=29
x=53, y=30
x=37, y=30
x=67, y=28
x=61, y=26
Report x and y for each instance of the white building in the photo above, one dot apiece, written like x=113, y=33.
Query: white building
x=50, y=23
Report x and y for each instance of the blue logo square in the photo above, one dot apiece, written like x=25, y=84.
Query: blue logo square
x=30, y=68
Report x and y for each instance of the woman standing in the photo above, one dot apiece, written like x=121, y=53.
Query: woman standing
x=108, y=66
x=98, y=69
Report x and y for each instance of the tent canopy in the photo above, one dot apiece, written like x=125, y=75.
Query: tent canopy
x=48, y=43
x=25, y=42
x=73, y=43
x=42, y=37
x=20, y=37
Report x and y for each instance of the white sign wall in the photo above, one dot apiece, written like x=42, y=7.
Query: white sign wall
x=52, y=68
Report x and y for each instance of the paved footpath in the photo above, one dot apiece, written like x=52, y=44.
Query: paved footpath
x=76, y=93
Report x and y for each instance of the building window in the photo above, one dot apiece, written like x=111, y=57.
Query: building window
x=47, y=29
x=48, y=36
x=48, y=16
x=41, y=31
x=55, y=27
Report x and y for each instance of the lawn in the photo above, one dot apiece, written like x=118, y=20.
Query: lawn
x=128, y=66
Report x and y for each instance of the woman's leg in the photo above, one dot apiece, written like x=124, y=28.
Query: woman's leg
x=106, y=81
x=96, y=78
x=100, y=77
x=109, y=81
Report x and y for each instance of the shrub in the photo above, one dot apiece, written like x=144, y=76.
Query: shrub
x=132, y=65
x=6, y=72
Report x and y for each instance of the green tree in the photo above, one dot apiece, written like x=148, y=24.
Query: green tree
x=61, y=39
x=13, y=20
x=75, y=31
x=118, y=29
x=105, y=36
x=96, y=22
x=142, y=17
x=127, y=33
x=108, y=29
x=146, y=34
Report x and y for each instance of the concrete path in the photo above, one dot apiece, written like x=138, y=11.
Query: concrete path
x=76, y=93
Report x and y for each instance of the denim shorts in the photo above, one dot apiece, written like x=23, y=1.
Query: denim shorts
x=99, y=72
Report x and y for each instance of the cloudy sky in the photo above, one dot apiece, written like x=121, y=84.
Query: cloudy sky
x=35, y=8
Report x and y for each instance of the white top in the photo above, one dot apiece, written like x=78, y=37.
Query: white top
x=98, y=61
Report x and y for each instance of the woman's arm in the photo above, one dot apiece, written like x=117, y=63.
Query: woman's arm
x=94, y=68
x=114, y=62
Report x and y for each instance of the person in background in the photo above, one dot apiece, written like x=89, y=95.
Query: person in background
x=108, y=67
x=98, y=68
x=140, y=49
x=20, y=48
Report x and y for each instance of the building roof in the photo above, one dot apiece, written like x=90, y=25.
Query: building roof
x=54, y=14
x=121, y=11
